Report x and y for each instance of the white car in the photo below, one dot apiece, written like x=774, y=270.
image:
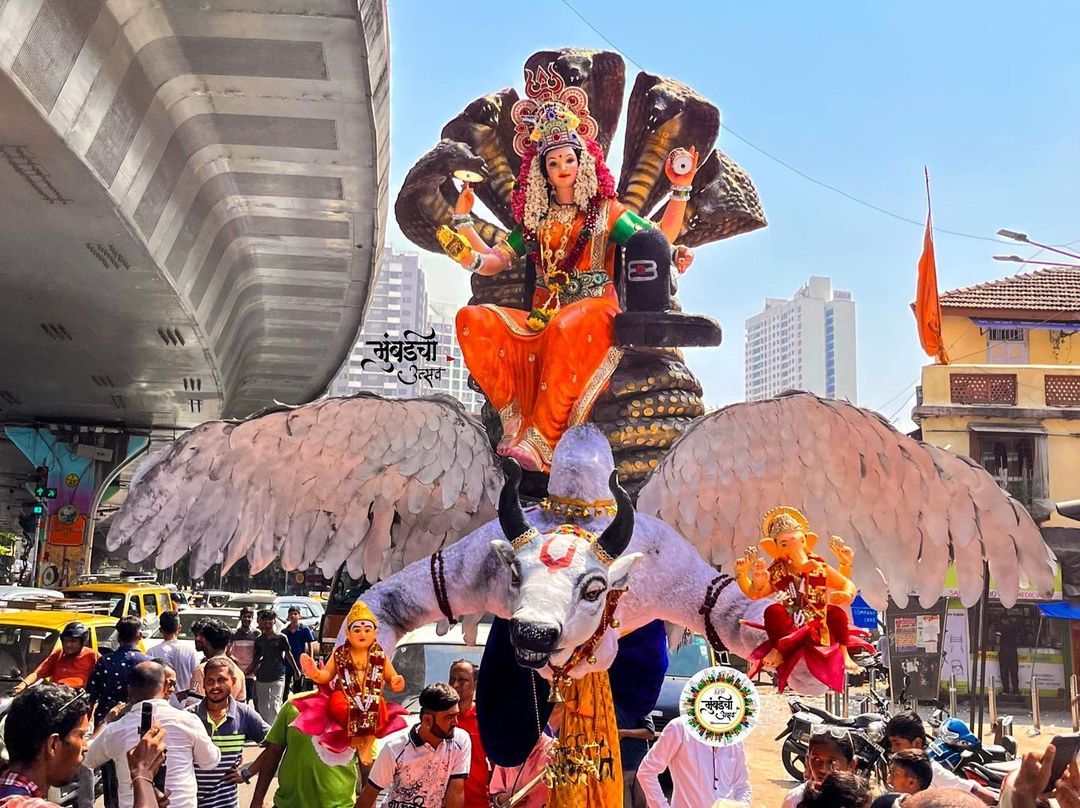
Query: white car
x=423, y=658
x=11, y=593
x=311, y=610
x=188, y=617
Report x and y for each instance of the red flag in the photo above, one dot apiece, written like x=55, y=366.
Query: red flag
x=927, y=302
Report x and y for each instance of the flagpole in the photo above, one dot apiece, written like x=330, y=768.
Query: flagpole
x=929, y=209
x=928, y=306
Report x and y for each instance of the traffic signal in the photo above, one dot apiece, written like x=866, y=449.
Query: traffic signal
x=41, y=482
x=28, y=523
x=50, y=493
x=37, y=509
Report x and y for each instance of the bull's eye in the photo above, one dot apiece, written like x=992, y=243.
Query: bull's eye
x=592, y=594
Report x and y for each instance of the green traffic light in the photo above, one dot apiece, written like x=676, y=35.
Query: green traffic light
x=38, y=509
x=39, y=491
x=50, y=493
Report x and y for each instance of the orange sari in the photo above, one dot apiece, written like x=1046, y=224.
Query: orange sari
x=543, y=382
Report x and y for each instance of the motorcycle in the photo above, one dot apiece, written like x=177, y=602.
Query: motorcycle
x=867, y=731
x=954, y=738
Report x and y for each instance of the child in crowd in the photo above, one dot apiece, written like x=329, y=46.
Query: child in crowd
x=831, y=750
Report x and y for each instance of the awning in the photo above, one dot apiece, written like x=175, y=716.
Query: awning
x=1061, y=609
x=1024, y=429
x=1065, y=542
x=1027, y=325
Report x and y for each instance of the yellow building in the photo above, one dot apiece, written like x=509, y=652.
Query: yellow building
x=1010, y=400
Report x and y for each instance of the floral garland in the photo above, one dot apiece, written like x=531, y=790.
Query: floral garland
x=525, y=201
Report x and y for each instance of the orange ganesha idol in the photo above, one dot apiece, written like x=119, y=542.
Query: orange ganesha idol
x=807, y=623
x=352, y=713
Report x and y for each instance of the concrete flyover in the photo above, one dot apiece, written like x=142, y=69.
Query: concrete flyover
x=193, y=199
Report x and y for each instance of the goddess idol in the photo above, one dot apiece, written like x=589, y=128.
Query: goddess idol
x=543, y=369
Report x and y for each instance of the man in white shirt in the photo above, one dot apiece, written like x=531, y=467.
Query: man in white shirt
x=181, y=657
x=186, y=740
x=426, y=765
x=701, y=774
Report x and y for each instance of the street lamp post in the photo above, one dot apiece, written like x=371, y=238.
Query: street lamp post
x=1023, y=238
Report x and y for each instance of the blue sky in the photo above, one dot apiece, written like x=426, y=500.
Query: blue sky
x=858, y=95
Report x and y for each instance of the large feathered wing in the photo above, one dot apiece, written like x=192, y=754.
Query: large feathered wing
x=372, y=482
x=907, y=508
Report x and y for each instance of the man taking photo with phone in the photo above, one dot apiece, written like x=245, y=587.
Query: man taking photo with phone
x=188, y=744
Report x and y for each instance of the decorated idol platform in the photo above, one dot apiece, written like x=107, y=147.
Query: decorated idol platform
x=596, y=510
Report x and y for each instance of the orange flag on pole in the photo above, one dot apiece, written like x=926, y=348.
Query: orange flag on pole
x=927, y=302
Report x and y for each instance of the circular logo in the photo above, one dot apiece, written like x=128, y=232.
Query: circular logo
x=50, y=574
x=67, y=514
x=71, y=481
x=720, y=705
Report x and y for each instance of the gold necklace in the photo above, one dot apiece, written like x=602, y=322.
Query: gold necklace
x=564, y=214
x=551, y=262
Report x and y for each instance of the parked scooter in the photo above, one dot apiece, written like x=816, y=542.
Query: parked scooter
x=954, y=738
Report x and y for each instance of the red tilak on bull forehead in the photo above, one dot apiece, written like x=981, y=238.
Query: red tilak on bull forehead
x=558, y=550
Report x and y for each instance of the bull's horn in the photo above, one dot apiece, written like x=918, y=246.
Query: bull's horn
x=616, y=536
x=511, y=517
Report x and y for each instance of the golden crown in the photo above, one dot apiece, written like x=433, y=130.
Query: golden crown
x=555, y=126
x=551, y=115
x=784, y=519
x=360, y=611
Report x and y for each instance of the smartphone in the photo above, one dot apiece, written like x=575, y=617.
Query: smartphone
x=145, y=722
x=1066, y=748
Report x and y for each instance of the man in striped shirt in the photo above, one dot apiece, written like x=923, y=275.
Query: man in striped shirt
x=229, y=723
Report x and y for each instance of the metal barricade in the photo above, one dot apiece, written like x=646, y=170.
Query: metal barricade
x=1074, y=701
x=845, y=699
x=952, y=695
x=992, y=695
x=1036, y=717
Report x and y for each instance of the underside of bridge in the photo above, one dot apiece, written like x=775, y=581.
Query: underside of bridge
x=193, y=200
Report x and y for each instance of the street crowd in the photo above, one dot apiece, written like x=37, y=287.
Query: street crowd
x=168, y=729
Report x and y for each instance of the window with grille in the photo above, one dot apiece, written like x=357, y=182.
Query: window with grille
x=1017, y=462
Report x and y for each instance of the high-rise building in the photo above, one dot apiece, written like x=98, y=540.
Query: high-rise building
x=806, y=343
x=399, y=304
x=455, y=376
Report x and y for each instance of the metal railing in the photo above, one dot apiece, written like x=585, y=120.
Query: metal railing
x=1074, y=701
x=1036, y=716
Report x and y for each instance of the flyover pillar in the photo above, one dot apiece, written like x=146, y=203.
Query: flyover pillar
x=82, y=463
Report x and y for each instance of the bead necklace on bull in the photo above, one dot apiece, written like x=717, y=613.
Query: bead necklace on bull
x=544, y=369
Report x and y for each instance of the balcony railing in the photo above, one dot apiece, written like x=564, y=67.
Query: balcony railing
x=1062, y=391
x=982, y=388
x=1017, y=386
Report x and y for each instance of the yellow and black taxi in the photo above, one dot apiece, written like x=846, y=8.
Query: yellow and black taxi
x=136, y=597
x=29, y=635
